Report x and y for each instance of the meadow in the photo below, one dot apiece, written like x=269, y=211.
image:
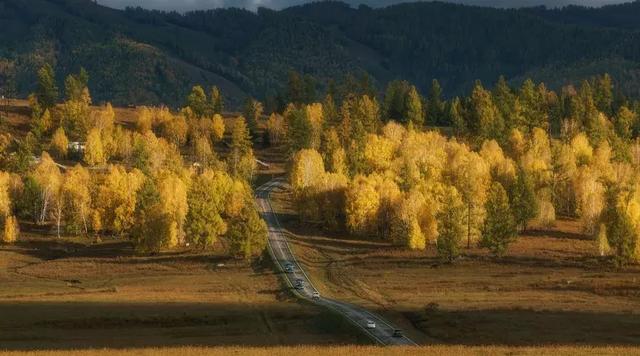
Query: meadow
x=72, y=294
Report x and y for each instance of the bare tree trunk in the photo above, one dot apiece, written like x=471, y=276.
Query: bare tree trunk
x=84, y=221
x=45, y=203
x=469, y=225
x=58, y=219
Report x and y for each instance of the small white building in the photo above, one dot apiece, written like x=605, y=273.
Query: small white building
x=76, y=147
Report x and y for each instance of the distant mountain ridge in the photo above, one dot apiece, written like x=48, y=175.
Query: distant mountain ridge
x=168, y=5
x=149, y=57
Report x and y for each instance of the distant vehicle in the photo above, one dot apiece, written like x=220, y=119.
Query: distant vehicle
x=299, y=284
x=315, y=296
x=288, y=268
x=371, y=324
x=397, y=333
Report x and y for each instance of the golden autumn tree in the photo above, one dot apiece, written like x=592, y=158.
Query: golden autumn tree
x=536, y=162
x=103, y=119
x=11, y=229
x=369, y=205
x=328, y=195
x=503, y=169
x=590, y=198
x=207, y=199
x=378, y=152
x=49, y=180
x=415, y=222
x=144, y=120
x=333, y=153
x=582, y=150
x=218, y=128
x=173, y=128
x=362, y=204
x=116, y=198
x=76, y=192
x=94, y=153
x=423, y=158
x=5, y=194
x=202, y=151
x=59, y=144
x=471, y=176
x=315, y=117
x=307, y=170
x=8, y=222
x=173, y=199
x=394, y=132
x=276, y=129
x=564, y=171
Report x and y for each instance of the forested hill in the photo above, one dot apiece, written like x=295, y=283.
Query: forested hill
x=138, y=56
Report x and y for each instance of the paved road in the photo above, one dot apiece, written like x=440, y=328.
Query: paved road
x=282, y=254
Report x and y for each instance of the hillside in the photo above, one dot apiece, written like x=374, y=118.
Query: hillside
x=148, y=57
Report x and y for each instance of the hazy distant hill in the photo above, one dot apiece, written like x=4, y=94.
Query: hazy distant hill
x=139, y=56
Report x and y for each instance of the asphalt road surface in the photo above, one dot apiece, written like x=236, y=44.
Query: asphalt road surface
x=279, y=249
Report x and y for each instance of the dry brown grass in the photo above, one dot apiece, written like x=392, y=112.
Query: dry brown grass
x=64, y=294
x=549, y=288
x=348, y=350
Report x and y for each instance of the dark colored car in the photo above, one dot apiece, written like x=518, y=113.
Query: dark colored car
x=397, y=333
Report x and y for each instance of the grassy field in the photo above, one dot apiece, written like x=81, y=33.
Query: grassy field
x=70, y=294
x=350, y=350
x=549, y=289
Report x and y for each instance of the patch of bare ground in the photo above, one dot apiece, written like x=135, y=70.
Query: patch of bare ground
x=550, y=287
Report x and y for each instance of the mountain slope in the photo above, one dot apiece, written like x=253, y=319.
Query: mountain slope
x=149, y=57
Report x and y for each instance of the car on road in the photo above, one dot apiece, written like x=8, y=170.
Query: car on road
x=315, y=296
x=288, y=268
x=397, y=333
x=371, y=324
x=299, y=284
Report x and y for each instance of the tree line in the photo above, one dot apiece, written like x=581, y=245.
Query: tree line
x=508, y=158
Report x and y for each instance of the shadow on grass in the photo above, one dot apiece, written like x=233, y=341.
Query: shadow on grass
x=51, y=248
x=523, y=327
x=556, y=234
x=69, y=325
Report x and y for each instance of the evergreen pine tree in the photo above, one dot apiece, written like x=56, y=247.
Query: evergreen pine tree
x=451, y=228
x=413, y=104
x=217, y=101
x=523, y=200
x=197, y=101
x=619, y=227
x=47, y=91
x=499, y=227
x=435, y=105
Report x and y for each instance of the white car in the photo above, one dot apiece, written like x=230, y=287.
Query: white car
x=371, y=324
x=315, y=295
